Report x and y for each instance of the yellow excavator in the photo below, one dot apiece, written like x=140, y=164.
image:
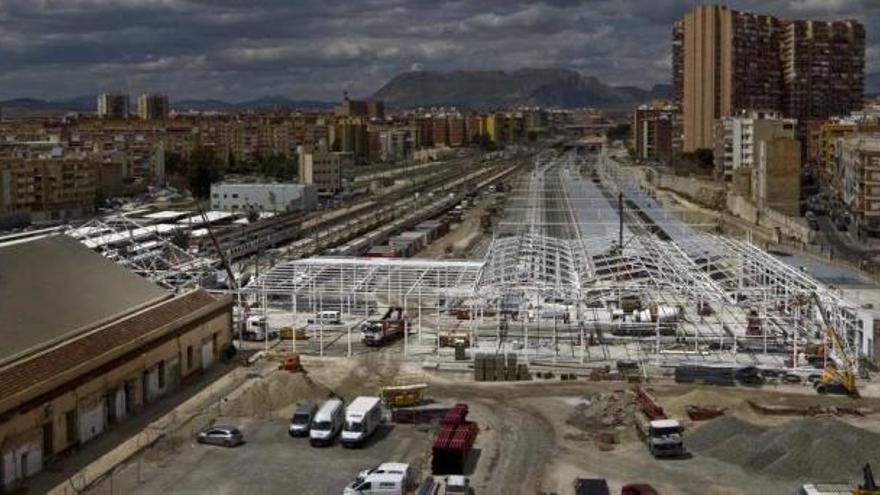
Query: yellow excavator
x=838, y=376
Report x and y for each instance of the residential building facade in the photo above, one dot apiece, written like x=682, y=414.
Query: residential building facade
x=737, y=139
x=858, y=165
x=726, y=61
x=153, y=106
x=113, y=106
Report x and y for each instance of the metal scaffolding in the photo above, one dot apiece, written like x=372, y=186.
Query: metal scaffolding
x=583, y=265
x=145, y=249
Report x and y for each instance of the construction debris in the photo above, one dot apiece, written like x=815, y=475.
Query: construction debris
x=703, y=413
x=603, y=417
x=809, y=449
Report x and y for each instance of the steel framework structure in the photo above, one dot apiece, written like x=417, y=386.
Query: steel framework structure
x=146, y=250
x=564, y=246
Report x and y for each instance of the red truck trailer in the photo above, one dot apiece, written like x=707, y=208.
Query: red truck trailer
x=378, y=332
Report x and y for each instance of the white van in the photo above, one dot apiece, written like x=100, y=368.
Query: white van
x=327, y=423
x=390, y=478
x=328, y=318
x=362, y=417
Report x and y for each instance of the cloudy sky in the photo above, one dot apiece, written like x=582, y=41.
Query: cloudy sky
x=315, y=49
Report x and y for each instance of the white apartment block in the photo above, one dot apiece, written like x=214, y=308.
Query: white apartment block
x=737, y=139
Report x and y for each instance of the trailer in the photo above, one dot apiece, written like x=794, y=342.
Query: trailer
x=386, y=329
x=453, y=442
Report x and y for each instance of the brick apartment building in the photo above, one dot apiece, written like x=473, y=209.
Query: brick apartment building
x=725, y=61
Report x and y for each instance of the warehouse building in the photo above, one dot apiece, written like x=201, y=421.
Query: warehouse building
x=274, y=197
x=87, y=344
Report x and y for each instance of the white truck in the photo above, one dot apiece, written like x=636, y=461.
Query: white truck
x=362, y=416
x=257, y=328
x=663, y=436
x=390, y=478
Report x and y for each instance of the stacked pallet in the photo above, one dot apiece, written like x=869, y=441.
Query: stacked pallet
x=453, y=442
x=499, y=368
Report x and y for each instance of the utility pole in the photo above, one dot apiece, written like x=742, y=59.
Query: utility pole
x=620, y=214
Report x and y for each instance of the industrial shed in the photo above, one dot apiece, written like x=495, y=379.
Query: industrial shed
x=87, y=344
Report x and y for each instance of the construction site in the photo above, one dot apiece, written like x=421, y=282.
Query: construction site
x=536, y=324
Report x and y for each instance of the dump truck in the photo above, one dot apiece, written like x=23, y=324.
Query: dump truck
x=378, y=332
x=662, y=436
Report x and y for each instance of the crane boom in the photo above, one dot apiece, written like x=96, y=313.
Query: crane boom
x=843, y=373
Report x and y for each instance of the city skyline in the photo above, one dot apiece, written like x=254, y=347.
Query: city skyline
x=193, y=49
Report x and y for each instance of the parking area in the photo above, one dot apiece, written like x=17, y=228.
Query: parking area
x=269, y=462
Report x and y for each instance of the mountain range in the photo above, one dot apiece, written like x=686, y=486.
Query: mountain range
x=88, y=103
x=487, y=89
x=478, y=89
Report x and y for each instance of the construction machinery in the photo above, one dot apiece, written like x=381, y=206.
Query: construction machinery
x=839, y=373
x=405, y=390
x=868, y=486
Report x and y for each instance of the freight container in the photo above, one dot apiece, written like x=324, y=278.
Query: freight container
x=383, y=251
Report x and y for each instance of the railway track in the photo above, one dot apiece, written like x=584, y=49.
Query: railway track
x=303, y=228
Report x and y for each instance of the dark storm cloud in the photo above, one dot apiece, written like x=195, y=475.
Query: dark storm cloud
x=235, y=49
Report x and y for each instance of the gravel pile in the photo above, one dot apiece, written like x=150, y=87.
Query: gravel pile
x=814, y=449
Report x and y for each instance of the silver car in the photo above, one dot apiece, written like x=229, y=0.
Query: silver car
x=224, y=436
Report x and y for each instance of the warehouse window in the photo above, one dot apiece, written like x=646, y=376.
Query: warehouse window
x=161, y=371
x=70, y=426
x=189, y=357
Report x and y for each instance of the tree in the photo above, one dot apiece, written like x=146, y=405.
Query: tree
x=202, y=169
x=253, y=215
x=100, y=198
x=174, y=163
x=618, y=133
x=486, y=143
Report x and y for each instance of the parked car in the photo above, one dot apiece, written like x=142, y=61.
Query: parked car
x=638, y=489
x=586, y=486
x=224, y=436
x=302, y=418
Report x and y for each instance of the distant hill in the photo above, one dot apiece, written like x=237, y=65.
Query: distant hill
x=486, y=89
x=262, y=103
x=88, y=103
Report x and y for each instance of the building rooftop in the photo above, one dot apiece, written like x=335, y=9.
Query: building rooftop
x=95, y=348
x=53, y=288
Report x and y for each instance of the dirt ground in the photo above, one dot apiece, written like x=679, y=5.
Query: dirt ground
x=528, y=442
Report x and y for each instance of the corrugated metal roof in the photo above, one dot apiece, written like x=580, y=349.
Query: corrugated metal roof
x=52, y=288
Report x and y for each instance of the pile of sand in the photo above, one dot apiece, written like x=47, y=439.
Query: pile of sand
x=809, y=449
x=276, y=395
